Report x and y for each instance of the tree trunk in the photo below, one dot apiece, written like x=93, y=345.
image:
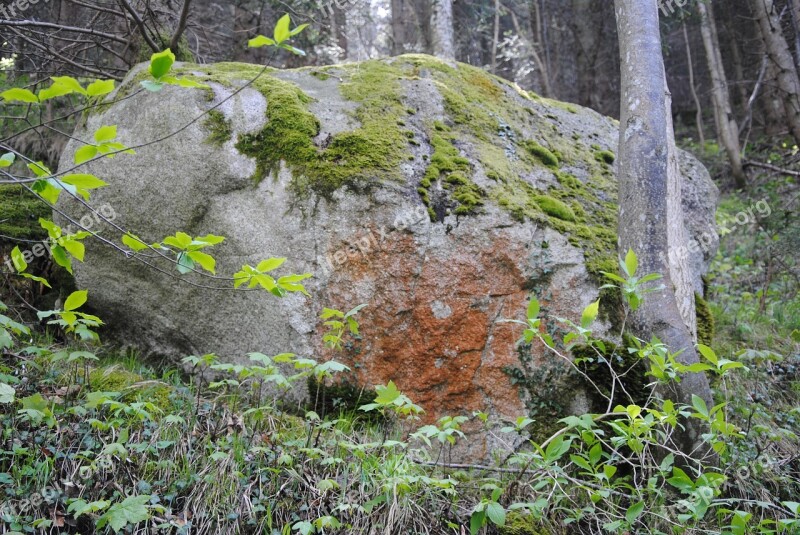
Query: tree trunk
x=727, y=129
x=399, y=39
x=699, y=108
x=496, y=35
x=650, y=213
x=778, y=50
x=443, y=38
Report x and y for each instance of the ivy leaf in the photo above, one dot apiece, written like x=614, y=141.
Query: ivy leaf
x=161, y=63
x=76, y=300
x=19, y=95
x=131, y=511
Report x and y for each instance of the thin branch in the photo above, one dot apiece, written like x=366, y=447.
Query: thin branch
x=752, y=163
x=140, y=24
x=36, y=24
x=181, y=25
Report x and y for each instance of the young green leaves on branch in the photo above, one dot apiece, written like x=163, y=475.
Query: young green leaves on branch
x=62, y=85
x=280, y=35
x=73, y=321
x=160, y=67
x=104, y=138
x=633, y=288
x=258, y=276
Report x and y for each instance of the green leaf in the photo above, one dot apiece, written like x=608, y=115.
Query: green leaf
x=700, y=405
x=7, y=159
x=496, y=513
x=260, y=41
x=35, y=278
x=387, y=394
x=7, y=393
x=105, y=133
x=54, y=91
x=634, y=511
x=161, y=63
x=292, y=49
x=533, y=308
x=133, y=242
x=185, y=264
x=70, y=83
x=590, y=314
x=100, y=87
x=282, y=32
x=153, y=87
x=61, y=258
x=19, y=95
x=75, y=248
x=206, y=261
x=76, y=300
x=795, y=336
x=180, y=241
x=85, y=153
x=84, y=181
x=18, y=259
x=270, y=264
x=40, y=169
x=298, y=30
x=476, y=522
x=631, y=263
x=708, y=353
x=130, y=512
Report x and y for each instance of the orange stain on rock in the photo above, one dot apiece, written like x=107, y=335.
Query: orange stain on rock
x=431, y=324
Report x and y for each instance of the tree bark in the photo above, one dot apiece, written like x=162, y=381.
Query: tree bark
x=727, y=129
x=650, y=213
x=779, y=53
x=443, y=38
x=399, y=39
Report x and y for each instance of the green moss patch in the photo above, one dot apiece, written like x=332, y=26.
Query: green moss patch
x=19, y=215
x=450, y=170
x=219, y=127
x=543, y=153
x=705, y=321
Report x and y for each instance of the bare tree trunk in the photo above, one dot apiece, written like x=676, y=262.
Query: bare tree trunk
x=650, y=213
x=778, y=50
x=496, y=35
x=699, y=115
x=727, y=129
x=443, y=38
x=398, y=27
x=536, y=28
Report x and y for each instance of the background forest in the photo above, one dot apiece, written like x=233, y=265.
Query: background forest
x=104, y=442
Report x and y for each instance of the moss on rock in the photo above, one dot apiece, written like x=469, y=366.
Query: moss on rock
x=705, y=321
x=21, y=211
x=219, y=128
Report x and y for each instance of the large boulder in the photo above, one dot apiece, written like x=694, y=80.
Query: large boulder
x=440, y=196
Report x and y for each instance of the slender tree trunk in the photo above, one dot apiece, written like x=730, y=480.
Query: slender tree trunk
x=496, y=35
x=778, y=49
x=650, y=213
x=443, y=38
x=399, y=39
x=536, y=30
x=727, y=129
x=699, y=114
